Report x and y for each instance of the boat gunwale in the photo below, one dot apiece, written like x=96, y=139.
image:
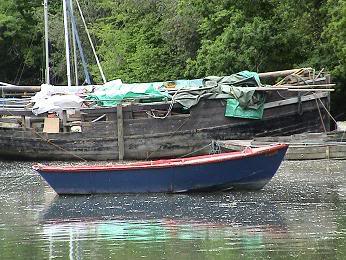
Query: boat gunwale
x=165, y=163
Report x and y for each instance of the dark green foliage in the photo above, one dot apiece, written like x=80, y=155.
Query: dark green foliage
x=255, y=35
x=149, y=40
x=333, y=52
x=20, y=41
x=146, y=40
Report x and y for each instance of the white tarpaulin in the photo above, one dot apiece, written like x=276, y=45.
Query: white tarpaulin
x=55, y=99
x=56, y=104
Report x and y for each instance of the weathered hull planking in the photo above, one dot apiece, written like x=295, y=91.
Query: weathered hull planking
x=176, y=135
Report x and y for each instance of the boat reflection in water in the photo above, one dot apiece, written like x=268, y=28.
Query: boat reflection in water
x=140, y=221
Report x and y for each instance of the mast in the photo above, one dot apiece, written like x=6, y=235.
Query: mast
x=67, y=47
x=45, y=4
x=74, y=47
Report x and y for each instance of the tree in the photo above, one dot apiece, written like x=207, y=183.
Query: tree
x=333, y=52
x=146, y=40
x=20, y=41
x=255, y=35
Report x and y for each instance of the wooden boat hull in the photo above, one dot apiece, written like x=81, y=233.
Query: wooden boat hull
x=250, y=169
x=150, y=138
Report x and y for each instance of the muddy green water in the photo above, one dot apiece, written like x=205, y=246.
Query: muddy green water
x=300, y=214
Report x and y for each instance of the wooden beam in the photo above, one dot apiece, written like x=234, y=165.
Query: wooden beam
x=5, y=84
x=280, y=73
x=295, y=100
x=306, y=86
x=269, y=88
x=312, y=89
x=120, y=123
x=15, y=112
x=15, y=89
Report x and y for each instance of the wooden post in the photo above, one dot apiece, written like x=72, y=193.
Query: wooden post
x=328, y=81
x=23, y=122
x=327, y=152
x=64, y=121
x=120, y=124
x=27, y=122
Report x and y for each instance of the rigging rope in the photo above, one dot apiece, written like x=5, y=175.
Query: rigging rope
x=91, y=42
x=319, y=99
x=321, y=117
x=22, y=66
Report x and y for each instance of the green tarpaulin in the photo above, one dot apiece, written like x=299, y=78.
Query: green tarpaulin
x=113, y=93
x=233, y=109
x=238, y=89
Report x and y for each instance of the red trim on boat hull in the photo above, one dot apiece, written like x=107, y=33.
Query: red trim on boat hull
x=197, y=160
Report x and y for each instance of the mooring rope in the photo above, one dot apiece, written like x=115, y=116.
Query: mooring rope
x=59, y=147
x=321, y=117
x=319, y=99
x=151, y=113
x=50, y=142
x=325, y=108
x=42, y=138
x=196, y=151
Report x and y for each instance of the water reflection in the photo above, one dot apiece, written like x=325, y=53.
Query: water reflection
x=147, y=218
x=300, y=214
x=210, y=209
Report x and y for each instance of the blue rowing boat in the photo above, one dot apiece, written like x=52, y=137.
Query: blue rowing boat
x=250, y=169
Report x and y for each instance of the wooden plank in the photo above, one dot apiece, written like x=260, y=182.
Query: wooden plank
x=51, y=125
x=295, y=100
x=305, y=86
x=16, y=112
x=311, y=89
x=27, y=122
x=280, y=73
x=314, y=152
x=10, y=120
x=120, y=123
x=14, y=88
